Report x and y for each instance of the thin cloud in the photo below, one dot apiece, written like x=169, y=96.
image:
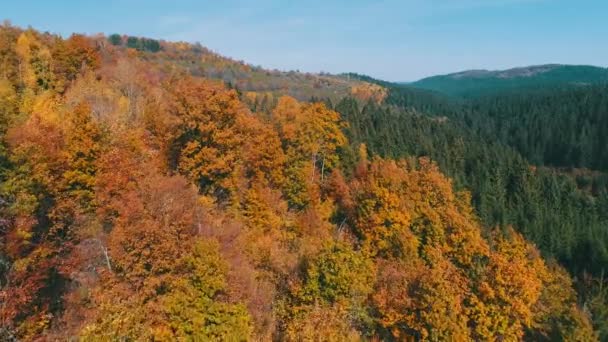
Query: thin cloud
x=174, y=20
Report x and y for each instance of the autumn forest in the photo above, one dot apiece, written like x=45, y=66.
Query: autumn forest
x=157, y=191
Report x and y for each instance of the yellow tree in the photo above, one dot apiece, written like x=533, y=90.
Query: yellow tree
x=23, y=48
x=417, y=301
x=312, y=136
x=208, y=141
x=82, y=149
x=34, y=62
x=507, y=289
x=9, y=104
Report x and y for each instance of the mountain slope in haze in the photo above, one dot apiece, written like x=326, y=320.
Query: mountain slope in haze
x=473, y=83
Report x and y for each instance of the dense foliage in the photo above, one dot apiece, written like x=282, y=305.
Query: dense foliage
x=563, y=127
x=140, y=202
x=567, y=220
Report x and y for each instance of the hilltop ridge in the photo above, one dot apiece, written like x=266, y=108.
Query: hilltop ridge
x=472, y=83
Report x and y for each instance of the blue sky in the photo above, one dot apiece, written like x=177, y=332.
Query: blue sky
x=396, y=40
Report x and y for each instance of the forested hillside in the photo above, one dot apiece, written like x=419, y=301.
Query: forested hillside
x=475, y=83
x=532, y=159
x=564, y=215
x=558, y=127
x=156, y=191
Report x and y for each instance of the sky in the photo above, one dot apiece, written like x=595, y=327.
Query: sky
x=394, y=40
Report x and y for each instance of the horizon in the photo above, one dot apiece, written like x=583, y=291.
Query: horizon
x=392, y=41
x=107, y=34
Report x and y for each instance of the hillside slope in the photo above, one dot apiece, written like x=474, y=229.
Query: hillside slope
x=473, y=83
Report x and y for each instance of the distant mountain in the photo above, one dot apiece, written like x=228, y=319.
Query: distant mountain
x=472, y=83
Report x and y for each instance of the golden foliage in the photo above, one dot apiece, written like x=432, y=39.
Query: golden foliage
x=366, y=92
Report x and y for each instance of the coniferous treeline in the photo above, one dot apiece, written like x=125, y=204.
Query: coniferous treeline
x=553, y=126
x=557, y=127
x=138, y=43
